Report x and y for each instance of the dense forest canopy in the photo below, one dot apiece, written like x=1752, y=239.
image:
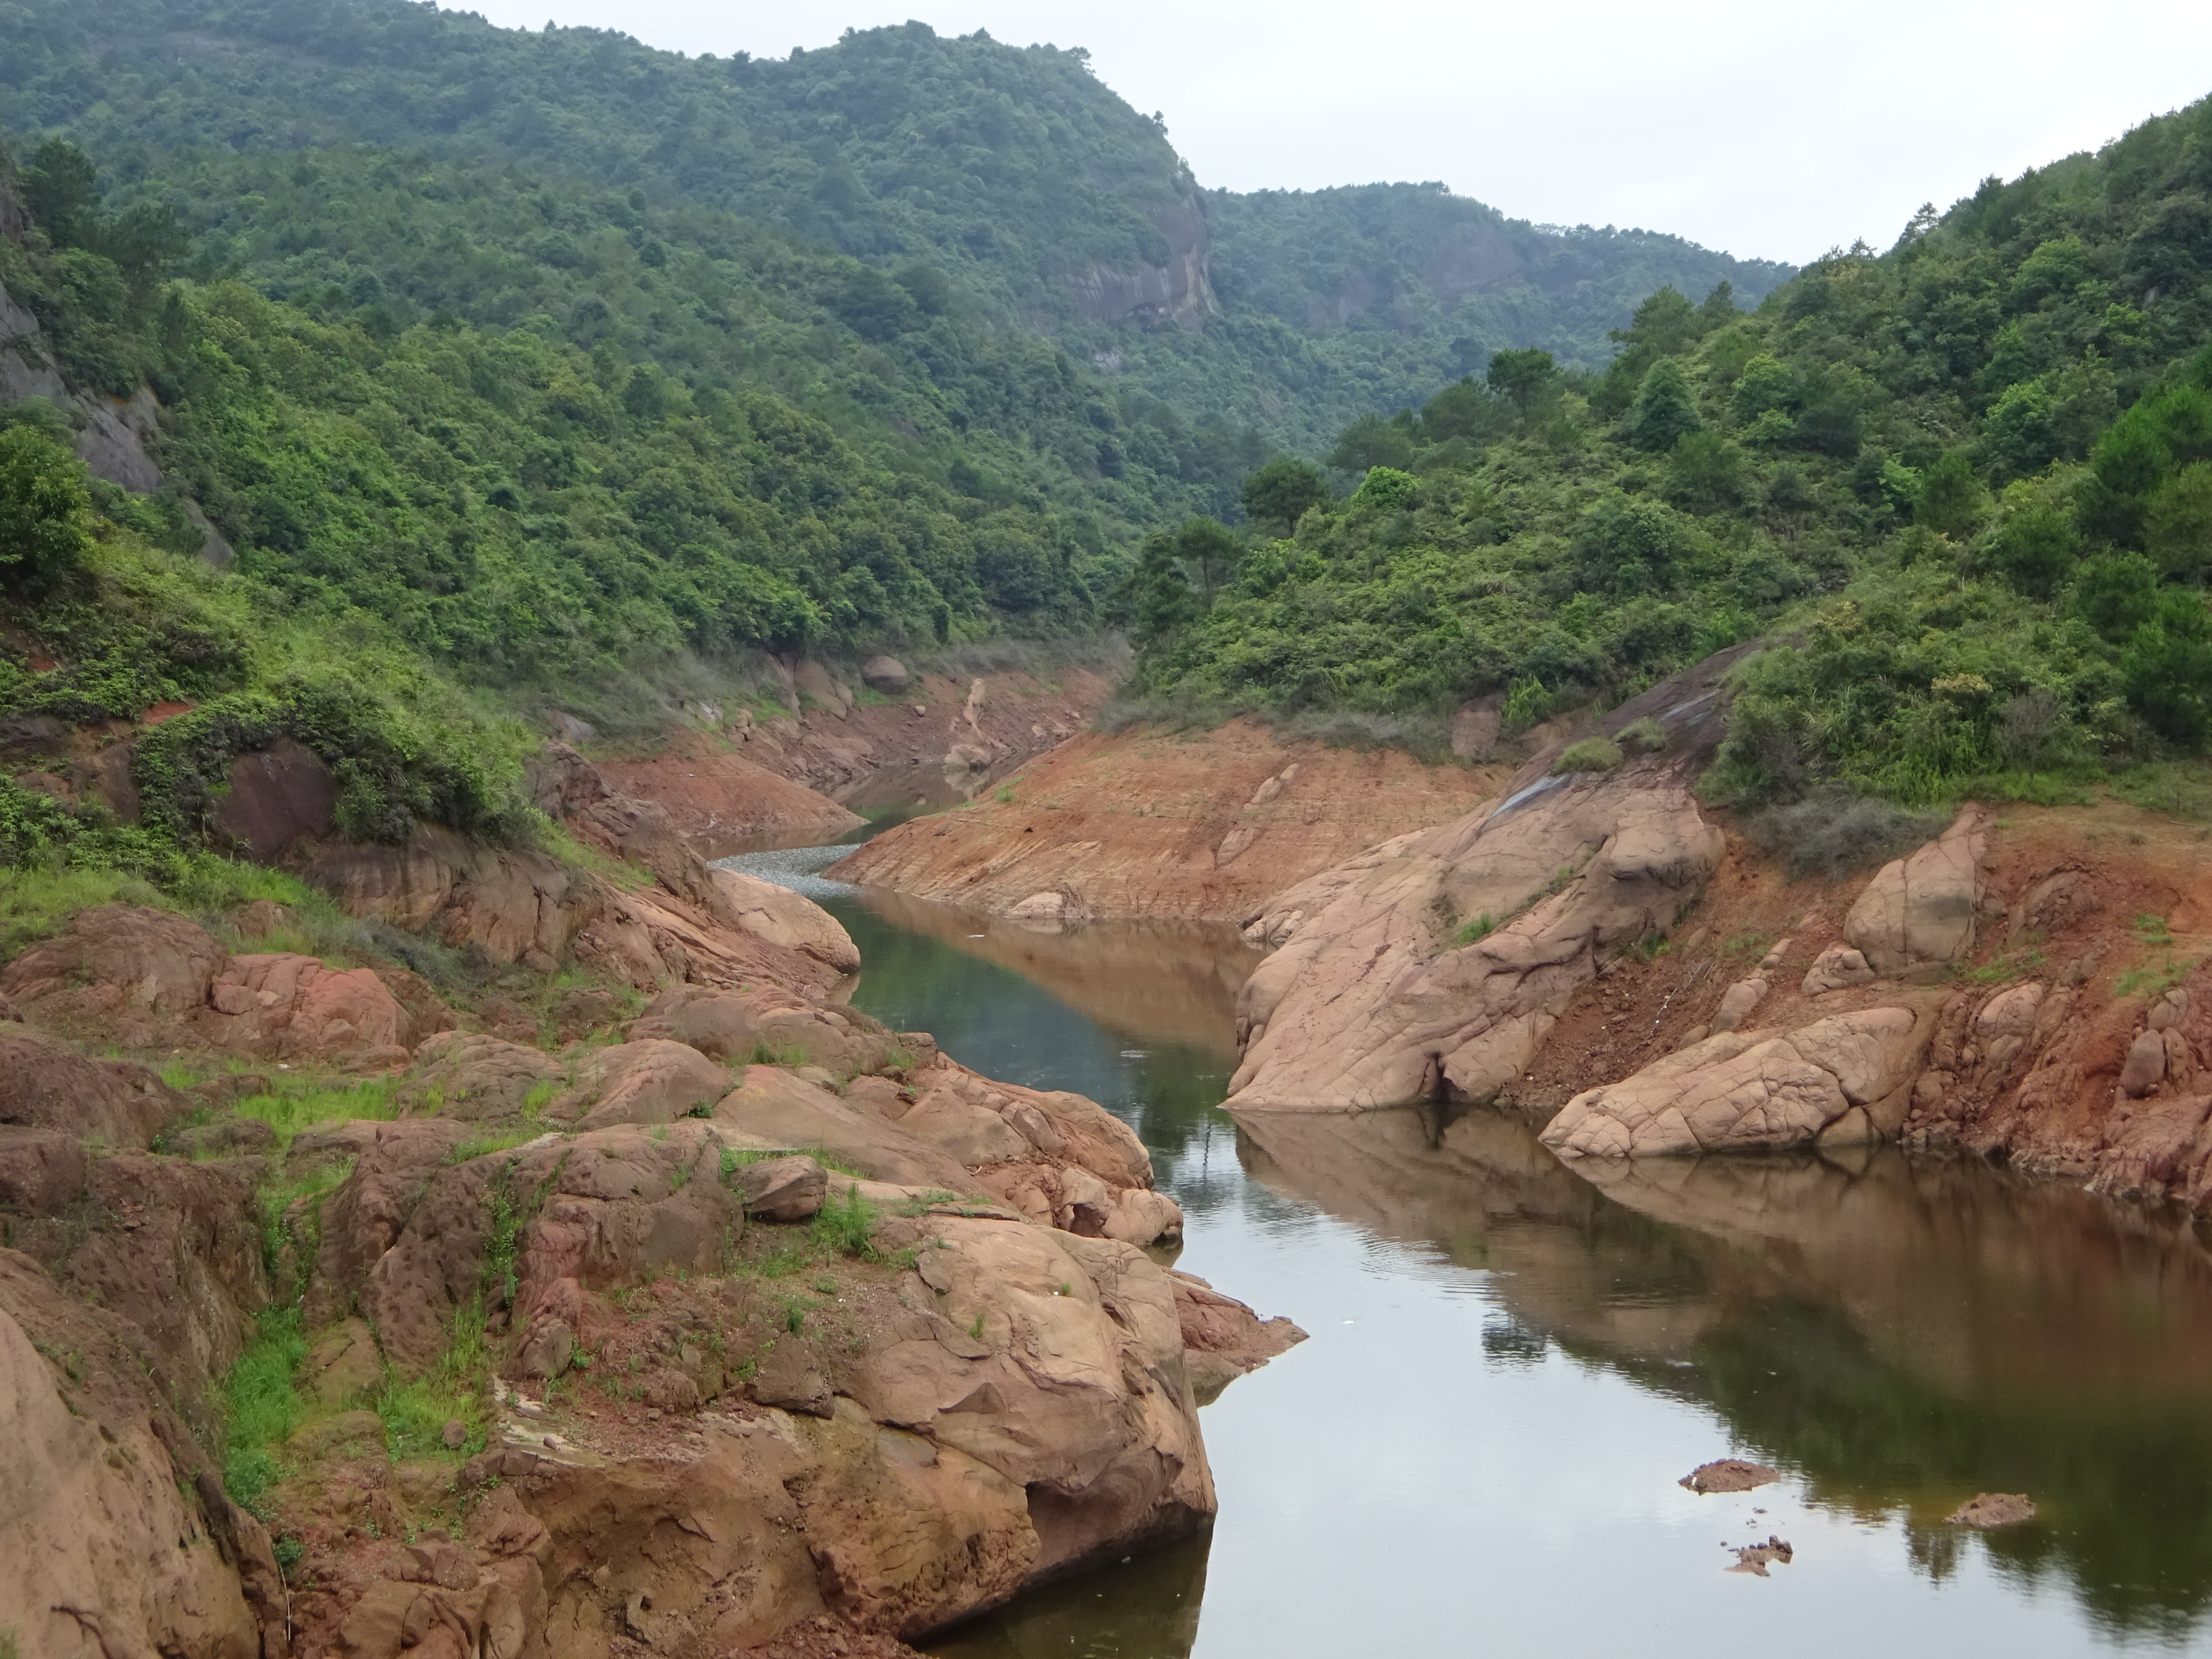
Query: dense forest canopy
x=1965, y=484
x=1038, y=193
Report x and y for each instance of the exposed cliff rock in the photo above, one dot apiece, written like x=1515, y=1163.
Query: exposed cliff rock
x=1433, y=966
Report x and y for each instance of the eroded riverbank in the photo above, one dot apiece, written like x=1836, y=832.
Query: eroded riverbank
x=1512, y=1366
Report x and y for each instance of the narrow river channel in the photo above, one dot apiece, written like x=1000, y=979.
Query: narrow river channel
x=1511, y=1366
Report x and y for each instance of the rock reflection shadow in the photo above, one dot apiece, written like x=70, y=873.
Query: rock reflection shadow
x=1901, y=1332
x=1147, y=1609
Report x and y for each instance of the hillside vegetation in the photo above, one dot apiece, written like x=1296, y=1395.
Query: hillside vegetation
x=1964, y=485
x=1046, y=202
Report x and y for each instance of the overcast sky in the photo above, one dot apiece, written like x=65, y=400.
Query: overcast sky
x=1767, y=130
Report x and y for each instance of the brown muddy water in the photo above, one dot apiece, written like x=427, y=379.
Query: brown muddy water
x=1513, y=1362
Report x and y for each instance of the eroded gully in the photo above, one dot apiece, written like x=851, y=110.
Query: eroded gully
x=1512, y=1365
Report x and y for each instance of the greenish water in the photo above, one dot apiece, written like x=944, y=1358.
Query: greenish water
x=1512, y=1366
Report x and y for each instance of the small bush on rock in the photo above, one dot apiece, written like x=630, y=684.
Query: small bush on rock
x=1590, y=754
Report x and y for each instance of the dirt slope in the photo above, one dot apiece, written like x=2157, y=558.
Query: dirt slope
x=743, y=779
x=1152, y=824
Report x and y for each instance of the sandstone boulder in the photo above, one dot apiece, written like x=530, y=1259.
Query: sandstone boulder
x=1738, y=1091
x=646, y=1080
x=115, y=1536
x=293, y=1005
x=1838, y=967
x=468, y=1074
x=439, y=883
x=612, y=1207
x=782, y=1188
x=46, y=1085
x=1076, y=1416
x=115, y=961
x=277, y=795
x=1738, y=1001
x=1222, y=1339
x=885, y=674
x=2145, y=1066
x=735, y=1026
x=783, y=917
x=772, y=1109
x=1922, y=909
x=40, y=1170
x=1375, y=1002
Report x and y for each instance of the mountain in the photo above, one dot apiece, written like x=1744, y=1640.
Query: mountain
x=1012, y=171
x=1965, y=486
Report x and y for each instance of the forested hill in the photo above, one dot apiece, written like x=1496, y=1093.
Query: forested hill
x=1042, y=196
x=1965, y=486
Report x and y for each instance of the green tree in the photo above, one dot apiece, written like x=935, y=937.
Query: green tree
x=1385, y=488
x=1209, y=551
x=1764, y=384
x=61, y=189
x=2167, y=668
x=1279, y=493
x=1520, y=375
x=2178, y=526
x=2116, y=593
x=1704, y=473
x=1953, y=501
x=1371, y=441
x=2035, y=550
x=42, y=508
x=1664, y=407
x=1160, y=602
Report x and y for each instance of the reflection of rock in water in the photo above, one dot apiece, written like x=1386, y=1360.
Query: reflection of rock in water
x=1159, y=981
x=1897, y=1331
x=1147, y=1609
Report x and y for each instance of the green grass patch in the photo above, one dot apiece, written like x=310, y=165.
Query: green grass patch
x=261, y=1407
x=279, y=1228
x=845, y=1226
x=2011, y=965
x=1481, y=928
x=1590, y=754
x=289, y=1108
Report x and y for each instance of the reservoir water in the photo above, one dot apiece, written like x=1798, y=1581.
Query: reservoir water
x=1513, y=1362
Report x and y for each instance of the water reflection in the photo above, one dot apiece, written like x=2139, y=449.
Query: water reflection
x=1900, y=1333
x=1512, y=1360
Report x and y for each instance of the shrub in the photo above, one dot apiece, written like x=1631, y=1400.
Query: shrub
x=42, y=508
x=1590, y=754
x=1385, y=488
x=1833, y=832
x=1644, y=737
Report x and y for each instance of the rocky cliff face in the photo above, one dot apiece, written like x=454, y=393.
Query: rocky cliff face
x=1433, y=966
x=1176, y=293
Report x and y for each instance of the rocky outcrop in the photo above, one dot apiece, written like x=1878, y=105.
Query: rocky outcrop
x=739, y=1026
x=1846, y=1079
x=47, y=1085
x=294, y=1006
x=1018, y=1405
x=117, y=960
x=783, y=917
x=1434, y=967
x=1177, y=293
x=510, y=903
x=1222, y=1339
x=1920, y=909
x=115, y=1536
